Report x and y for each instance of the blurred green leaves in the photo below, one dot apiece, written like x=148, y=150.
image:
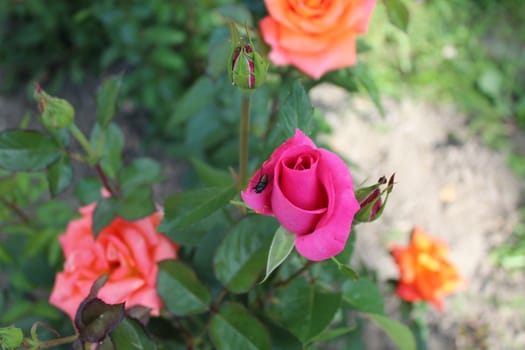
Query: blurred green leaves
x=27, y=150
x=180, y=289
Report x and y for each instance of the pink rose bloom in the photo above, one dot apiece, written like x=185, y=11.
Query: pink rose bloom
x=315, y=36
x=127, y=251
x=310, y=192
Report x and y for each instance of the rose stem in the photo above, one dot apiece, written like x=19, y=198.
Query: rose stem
x=83, y=141
x=77, y=133
x=104, y=179
x=59, y=341
x=294, y=275
x=244, y=130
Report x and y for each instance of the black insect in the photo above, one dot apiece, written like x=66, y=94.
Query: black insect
x=261, y=184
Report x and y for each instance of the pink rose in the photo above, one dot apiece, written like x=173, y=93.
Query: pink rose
x=310, y=192
x=127, y=251
x=315, y=36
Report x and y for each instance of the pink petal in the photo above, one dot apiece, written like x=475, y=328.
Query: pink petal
x=299, y=182
x=360, y=16
x=330, y=236
x=165, y=249
x=261, y=202
x=141, y=256
x=146, y=297
x=118, y=291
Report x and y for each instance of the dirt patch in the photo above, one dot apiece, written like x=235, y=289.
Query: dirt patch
x=454, y=187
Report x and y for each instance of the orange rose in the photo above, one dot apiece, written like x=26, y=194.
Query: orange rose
x=127, y=251
x=426, y=273
x=315, y=35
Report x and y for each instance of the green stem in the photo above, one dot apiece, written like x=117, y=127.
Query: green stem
x=77, y=133
x=244, y=131
x=294, y=275
x=56, y=342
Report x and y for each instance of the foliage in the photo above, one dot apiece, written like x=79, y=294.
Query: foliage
x=465, y=52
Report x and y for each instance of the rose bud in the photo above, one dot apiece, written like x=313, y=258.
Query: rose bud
x=247, y=68
x=370, y=199
x=57, y=113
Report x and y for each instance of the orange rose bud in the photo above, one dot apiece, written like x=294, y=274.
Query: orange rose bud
x=426, y=274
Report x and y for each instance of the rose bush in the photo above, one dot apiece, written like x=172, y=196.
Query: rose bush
x=426, y=274
x=315, y=36
x=310, y=192
x=127, y=251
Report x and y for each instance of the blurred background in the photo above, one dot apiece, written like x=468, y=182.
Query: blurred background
x=452, y=128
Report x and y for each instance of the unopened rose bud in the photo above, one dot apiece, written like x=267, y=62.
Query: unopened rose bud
x=247, y=68
x=11, y=337
x=56, y=112
x=371, y=199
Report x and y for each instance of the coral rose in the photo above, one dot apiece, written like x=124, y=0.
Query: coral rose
x=310, y=192
x=315, y=35
x=425, y=271
x=127, y=251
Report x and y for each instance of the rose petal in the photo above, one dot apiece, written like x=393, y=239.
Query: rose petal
x=360, y=16
x=269, y=32
x=299, y=181
x=341, y=54
x=330, y=236
x=261, y=202
x=114, y=292
x=291, y=217
x=146, y=297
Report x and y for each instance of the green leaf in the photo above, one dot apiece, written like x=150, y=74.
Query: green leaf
x=27, y=150
x=5, y=256
x=105, y=212
x=296, y=111
x=366, y=82
x=363, y=295
x=185, y=208
x=59, y=175
x=130, y=335
x=164, y=35
x=282, y=245
x=87, y=190
x=191, y=102
x=281, y=338
x=397, y=13
x=141, y=171
x=181, y=291
x=112, y=140
x=167, y=58
x=329, y=334
x=305, y=310
x=211, y=176
x=238, y=13
x=107, y=101
x=137, y=204
x=241, y=256
x=234, y=328
x=490, y=83
x=218, y=55
x=398, y=332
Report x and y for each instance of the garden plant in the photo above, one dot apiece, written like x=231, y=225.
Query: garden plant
x=255, y=252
